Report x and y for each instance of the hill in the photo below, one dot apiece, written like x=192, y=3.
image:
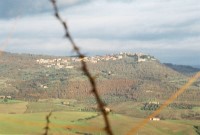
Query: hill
x=127, y=82
x=184, y=69
x=32, y=76
x=196, y=66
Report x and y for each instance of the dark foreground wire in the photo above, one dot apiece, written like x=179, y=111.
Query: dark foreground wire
x=91, y=79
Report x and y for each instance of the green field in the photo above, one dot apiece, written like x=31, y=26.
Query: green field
x=20, y=117
x=89, y=122
x=34, y=123
x=13, y=107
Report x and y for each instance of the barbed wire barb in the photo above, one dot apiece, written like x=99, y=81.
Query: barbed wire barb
x=84, y=69
x=47, y=124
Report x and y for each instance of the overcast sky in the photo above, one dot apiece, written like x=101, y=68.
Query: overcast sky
x=166, y=29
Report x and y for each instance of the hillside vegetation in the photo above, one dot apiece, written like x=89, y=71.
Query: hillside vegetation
x=128, y=84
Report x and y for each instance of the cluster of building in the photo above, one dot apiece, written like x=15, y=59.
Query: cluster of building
x=56, y=63
x=140, y=57
x=3, y=97
x=154, y=102
x=96, y=59
x=43, y=86
x=154, y=119
x=65, y=62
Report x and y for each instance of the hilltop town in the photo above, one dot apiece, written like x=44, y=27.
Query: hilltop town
x=60, y=63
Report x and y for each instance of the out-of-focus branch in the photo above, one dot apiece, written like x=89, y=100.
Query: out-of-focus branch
x=47, y=124
x=5, y=43
x=84, y=69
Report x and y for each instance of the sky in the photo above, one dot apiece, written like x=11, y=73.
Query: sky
x=166, y=29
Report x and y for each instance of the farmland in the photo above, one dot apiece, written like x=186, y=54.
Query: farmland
x=20, y=117
x=77, y=122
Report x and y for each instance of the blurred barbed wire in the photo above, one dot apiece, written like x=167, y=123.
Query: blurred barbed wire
x=91, y=79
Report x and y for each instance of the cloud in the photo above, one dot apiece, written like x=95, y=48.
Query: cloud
x=169, y=29
x=141, y=20
x=14, y=8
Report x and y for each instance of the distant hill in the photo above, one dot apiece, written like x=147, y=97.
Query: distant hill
x=196, y=66
x=120, y=77
x=184, y=69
